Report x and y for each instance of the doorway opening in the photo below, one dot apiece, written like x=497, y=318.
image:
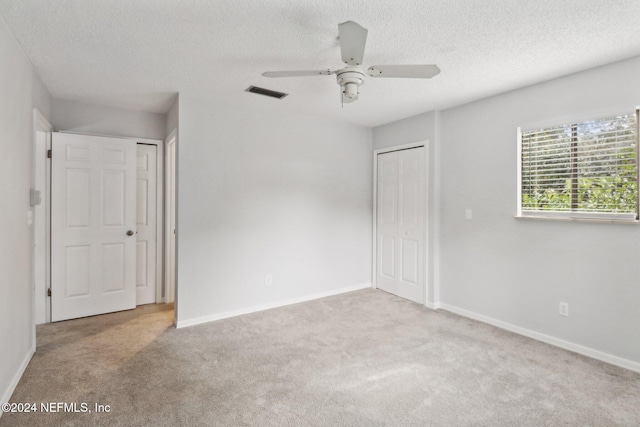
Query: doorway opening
x=148, y=221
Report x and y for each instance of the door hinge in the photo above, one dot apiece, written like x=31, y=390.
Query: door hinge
x=48, y=154
x=49, y=292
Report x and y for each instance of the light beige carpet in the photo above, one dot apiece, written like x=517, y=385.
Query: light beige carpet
x=365, y=358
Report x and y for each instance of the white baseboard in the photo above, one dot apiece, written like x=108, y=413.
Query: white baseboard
x=433, y=305
x=16, y=378
x=576, y=348
x=233, y=313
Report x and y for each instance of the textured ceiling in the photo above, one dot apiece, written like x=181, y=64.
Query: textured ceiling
x=138, y=53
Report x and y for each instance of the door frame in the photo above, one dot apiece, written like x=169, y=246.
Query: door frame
x=39, y=120
x=170, y=207
x=374, y=270
x=40, y=299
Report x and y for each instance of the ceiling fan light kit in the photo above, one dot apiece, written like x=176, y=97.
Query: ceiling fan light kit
x=353, y=38
x=350, y=78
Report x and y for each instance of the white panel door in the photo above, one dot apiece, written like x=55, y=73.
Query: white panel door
x=93, y=218
x=400, y=223
x=146, y=223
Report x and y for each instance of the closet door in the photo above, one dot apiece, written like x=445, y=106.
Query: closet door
x=400, y=223
x=146, y=224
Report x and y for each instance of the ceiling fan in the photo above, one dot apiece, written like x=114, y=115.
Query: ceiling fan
x=353, y=38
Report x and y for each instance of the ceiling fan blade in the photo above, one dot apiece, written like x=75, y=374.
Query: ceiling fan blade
x=297, y=73
x=406, y=71
x=353, y=39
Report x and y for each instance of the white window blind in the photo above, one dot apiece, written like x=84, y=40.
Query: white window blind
x=585, y=169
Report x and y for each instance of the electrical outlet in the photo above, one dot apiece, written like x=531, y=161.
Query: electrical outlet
x=564, y=309
x=268, y=280
x=468, y=214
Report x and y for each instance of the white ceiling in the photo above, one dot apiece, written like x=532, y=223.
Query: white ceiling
x=138, y=53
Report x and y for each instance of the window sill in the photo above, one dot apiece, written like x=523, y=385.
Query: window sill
x=596, y=220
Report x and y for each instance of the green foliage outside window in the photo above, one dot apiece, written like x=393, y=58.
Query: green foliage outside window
x=585, y=167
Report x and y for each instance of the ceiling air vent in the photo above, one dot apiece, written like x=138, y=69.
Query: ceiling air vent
x=266, y=92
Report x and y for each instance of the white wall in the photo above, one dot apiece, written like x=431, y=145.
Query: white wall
x=21, y=90
x=405, y=131
x=422, y=127
x=515, y=270
x=82, y=117
x=265, y=193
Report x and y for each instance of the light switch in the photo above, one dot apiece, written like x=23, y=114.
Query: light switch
x=29, y=217
x=35, y=197
x=468, y=214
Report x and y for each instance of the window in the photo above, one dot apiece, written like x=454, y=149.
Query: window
x=581, y=170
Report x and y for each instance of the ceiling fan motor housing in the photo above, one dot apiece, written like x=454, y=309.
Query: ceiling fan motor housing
x=350, y=78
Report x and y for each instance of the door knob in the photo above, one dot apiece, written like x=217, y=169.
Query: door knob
x=130, y=233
